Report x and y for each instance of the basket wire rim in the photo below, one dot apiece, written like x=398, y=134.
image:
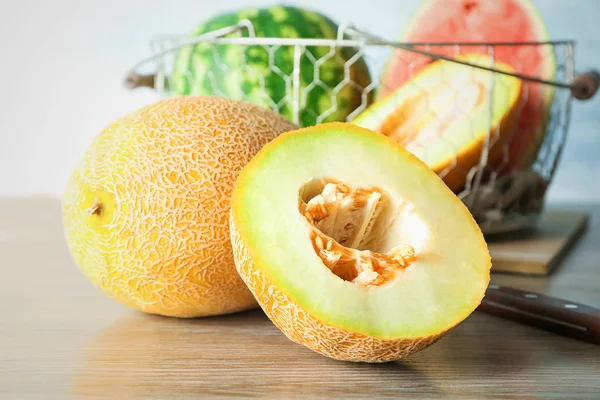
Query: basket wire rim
x=363, y=39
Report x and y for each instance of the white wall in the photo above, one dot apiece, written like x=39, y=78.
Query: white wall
x=62, y=65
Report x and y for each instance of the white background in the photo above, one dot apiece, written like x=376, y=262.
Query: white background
x=63, y=62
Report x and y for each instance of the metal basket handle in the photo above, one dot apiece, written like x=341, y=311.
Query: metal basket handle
x=134, y=80
x=583, y=87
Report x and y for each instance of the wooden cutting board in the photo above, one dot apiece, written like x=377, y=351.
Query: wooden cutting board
x=540, y=250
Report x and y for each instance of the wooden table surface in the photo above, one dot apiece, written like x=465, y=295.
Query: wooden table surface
x=61, y=338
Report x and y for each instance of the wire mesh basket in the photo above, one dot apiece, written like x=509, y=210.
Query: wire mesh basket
x=500, y=196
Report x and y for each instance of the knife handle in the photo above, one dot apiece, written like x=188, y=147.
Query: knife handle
x=563, y=317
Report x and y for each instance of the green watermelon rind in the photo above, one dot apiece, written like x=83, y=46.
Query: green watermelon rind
x=252, y=82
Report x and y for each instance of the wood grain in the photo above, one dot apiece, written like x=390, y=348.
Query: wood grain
x=538, y=251
x=61, y=338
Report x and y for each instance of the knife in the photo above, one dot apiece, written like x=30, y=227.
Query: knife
x=556, y=315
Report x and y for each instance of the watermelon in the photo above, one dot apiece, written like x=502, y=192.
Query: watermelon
x=477, y=21
x=331, y=79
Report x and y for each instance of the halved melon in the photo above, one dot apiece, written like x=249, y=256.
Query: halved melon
x=478, y=22
x=352, y=246
x=448, y=113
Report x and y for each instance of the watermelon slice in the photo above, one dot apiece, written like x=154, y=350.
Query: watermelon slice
x=476, y=21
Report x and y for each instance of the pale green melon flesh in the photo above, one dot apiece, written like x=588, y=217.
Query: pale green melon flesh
x=441, y=288
x=468, y=123
x=521, y=22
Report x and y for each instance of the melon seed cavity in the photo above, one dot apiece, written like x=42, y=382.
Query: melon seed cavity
x=343, y=226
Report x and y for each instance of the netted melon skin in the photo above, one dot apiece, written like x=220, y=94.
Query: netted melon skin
x=164, y=175
x=303, y=328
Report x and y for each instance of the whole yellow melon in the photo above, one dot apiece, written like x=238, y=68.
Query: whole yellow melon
x=146, y=210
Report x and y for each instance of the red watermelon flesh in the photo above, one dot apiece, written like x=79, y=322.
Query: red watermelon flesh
x=476, y=21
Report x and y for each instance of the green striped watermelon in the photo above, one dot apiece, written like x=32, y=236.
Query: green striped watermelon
x=331, y=80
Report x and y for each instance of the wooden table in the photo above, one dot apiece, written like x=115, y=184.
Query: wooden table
x=61, y=338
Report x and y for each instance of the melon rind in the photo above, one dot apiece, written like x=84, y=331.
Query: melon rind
x=453, y=155
x=303, y=328
x=523, y=148
x=164, y=176
x=311, y=305
x=526, y=160
x=263, y=74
